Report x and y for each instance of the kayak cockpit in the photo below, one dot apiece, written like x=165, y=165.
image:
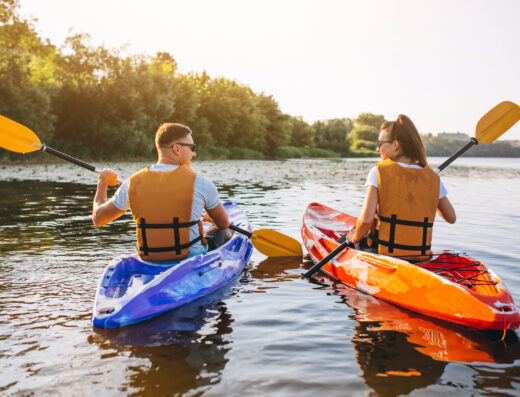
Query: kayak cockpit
x=128, y=273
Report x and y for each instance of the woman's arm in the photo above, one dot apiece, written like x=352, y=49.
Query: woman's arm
x=366, y=218
x=446, y=210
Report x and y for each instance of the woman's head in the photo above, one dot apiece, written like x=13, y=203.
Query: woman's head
x=400, y=138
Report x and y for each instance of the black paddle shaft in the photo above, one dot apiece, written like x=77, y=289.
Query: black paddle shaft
x=68, y=158
x=472, y=141
x=242, y=231
x=330, y=256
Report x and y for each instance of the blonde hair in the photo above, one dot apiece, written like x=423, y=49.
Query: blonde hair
x=403, y=131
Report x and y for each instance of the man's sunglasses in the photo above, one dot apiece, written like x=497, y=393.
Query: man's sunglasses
x=192, y=146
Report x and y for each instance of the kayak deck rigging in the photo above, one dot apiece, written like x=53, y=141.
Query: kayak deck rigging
x=453, y=266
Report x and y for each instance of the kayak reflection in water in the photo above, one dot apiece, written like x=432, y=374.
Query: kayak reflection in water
x=405, y=193
x=167, y=200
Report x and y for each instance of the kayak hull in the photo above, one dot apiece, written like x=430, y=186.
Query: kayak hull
x=131, y=290
x=451, y=287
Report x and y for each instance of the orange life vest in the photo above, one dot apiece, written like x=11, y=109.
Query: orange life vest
x=161, y=203
x=408, y=200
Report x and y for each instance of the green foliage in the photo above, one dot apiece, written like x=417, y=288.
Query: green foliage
x=302, y=134
x=363, y=132
x=362, y=145
x=244, y=153
x=374, y=120
x=219, y=152
x=25, y=72
x=93, y=102
x=298, y=152
x=442, y=147
x=332, y=134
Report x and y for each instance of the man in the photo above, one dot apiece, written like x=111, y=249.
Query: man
x=166, y=200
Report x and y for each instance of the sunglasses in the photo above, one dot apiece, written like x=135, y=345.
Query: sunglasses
x=379, y=143
x=192, y=146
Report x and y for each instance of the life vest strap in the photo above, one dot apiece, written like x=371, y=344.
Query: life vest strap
x=145, y=250
x=391, y=241
x=143, y=225
x=404, y=222
x=423, y=248
x=175, y=226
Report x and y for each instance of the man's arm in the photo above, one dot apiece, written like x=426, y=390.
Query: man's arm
x=219, y=216
x=104, y=212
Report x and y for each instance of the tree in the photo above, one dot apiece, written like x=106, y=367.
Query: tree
x=333, y=134
x=374, y=120
x=302, y=134
x=27, y=72
x=365, y=133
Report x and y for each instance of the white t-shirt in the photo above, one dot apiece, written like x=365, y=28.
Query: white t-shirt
x=373, y=177
x=205, y=196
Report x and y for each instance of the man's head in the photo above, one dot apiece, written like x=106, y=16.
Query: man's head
x=175, y=143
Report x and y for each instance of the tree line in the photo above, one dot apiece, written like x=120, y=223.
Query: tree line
x=97, y=103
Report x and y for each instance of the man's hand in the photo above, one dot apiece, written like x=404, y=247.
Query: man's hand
x=107, y=177
x=104, y=211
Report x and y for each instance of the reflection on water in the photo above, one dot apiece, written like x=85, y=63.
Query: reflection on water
x=185, y=348
x=270, y=332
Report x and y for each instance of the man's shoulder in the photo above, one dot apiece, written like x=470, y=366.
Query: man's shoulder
x=202, y=181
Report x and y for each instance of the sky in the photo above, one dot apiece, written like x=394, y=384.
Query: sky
x=444, y=63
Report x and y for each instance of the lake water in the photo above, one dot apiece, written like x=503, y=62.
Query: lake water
x=270, y=332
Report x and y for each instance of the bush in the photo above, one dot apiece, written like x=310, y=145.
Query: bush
x=244, y=153
x=362, y=145
x=288, y=152
x=363, y=153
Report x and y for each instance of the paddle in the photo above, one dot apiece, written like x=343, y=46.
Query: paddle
x=20, y=139
x=272, y=243
x=492, y=125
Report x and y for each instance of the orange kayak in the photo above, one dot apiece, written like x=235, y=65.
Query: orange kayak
x=452, y=287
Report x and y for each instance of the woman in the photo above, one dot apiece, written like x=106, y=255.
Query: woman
x=405, y=193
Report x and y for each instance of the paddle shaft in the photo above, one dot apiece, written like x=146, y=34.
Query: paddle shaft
x=320, y=264
x=73, y=160
x=239, y=230
x=70, y=159
x=462, y=150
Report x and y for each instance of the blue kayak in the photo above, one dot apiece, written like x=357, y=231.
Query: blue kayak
x=132, y=290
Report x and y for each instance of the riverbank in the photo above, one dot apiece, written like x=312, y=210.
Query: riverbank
x=216, y=153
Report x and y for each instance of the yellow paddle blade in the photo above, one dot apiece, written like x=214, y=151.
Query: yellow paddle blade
x=497, y=121
x=272, y=243
x=17, y=138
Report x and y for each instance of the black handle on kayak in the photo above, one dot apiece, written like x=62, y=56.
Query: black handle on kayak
x=330, y=256
x=237, y=229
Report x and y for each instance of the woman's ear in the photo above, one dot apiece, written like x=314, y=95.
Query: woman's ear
x=396, y=145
